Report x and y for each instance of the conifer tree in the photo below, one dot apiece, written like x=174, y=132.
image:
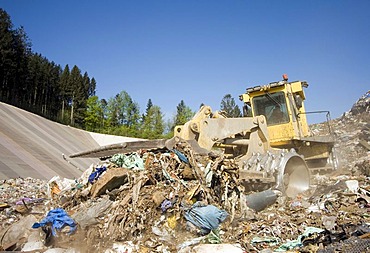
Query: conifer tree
x=104, y=113
x=32, y=82
x=228, y=106
x=65, y=90
x=14, y=52
x=93, y=114
x=153, y=125
x=6, y=55
x=123, y=114
x=149, y=104
x=92, y=87
x=183, y=114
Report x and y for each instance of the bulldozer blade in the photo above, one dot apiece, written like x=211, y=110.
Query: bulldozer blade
x=124, y=147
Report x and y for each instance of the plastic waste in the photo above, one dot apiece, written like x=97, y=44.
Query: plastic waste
x=260, y=200
x=172, y=221
x=126, y=247
x=298, y=243
x=96, y=174
x=165, y=205
x=61, y=250
x=191, y=242
x=214, y=237
x=181, y=156
x=29, y=201
x=33, y=246
x=162, y=233
x=329, y=222
x=205, y=217
x=84, y=178
x=86, y=217
x=58, y=219
x=131, y=161
x=218, y=248
x=56, y=185
x=34, y=242
x=266, y=239
x=208, y=173
x=352, y=185
x=17, y=230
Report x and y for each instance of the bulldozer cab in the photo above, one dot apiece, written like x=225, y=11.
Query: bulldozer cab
x=282, y=104
x=273, y=107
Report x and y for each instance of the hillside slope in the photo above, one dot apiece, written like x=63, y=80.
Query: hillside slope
x=32, y=146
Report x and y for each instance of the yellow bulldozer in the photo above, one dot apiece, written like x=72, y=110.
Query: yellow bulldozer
x=282, y=104
x=271, y=144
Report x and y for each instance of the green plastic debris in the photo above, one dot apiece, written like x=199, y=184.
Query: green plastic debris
x=132, y=161
x=267, y=239
x=298, y=243
x=214, y=236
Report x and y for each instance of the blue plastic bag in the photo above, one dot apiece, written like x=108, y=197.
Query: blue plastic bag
x=166, y=204
x=58, y=219
x=181, y=156
x=96, y=174
x=205, y=217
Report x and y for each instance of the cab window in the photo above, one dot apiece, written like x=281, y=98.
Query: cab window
x=273, y=106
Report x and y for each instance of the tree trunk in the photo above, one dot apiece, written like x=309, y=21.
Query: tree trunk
x=72, y=111
x=63, y=111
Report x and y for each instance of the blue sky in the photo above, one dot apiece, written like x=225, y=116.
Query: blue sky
x=199, y=51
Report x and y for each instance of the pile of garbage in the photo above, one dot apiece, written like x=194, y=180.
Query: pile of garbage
x=178, y=201
x=361, y=107
x=145, y=198
x=353, y=136
x=352, y=131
